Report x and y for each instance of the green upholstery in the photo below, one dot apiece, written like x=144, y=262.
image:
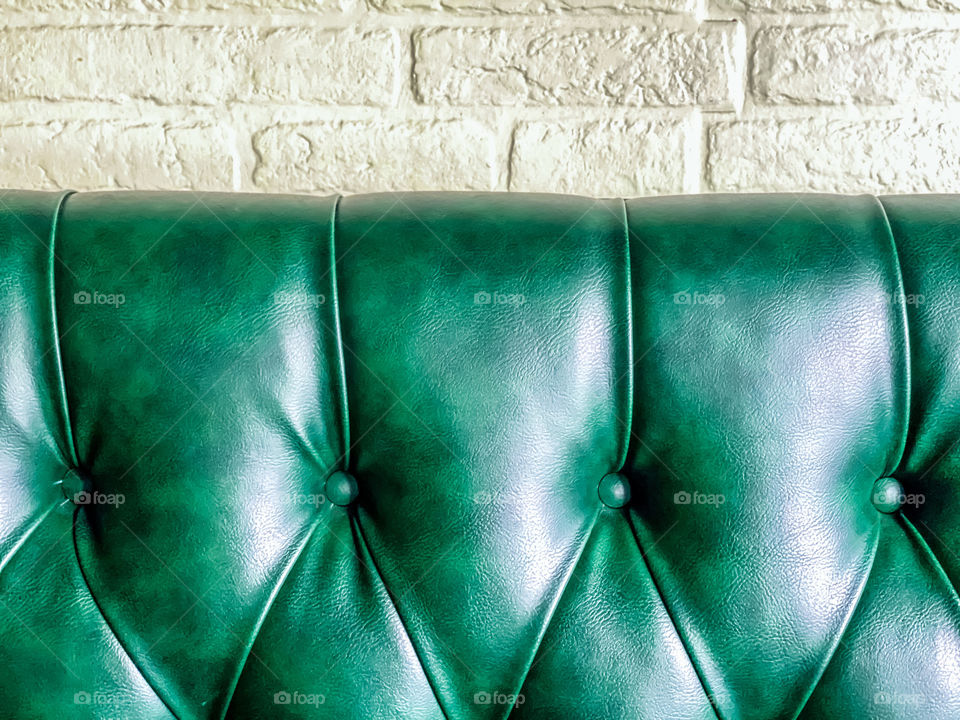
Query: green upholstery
x=444, y=455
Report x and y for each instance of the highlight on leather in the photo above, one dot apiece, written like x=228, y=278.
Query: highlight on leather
x=479, y=455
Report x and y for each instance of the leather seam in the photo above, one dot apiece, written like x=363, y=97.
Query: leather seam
x=628, y=273
x=553, y=609
x=907, y=350
x=676, y=627
x=109, y=625
x=74, y=458
x=843, y=629
x=26, y=535
x=281, y=581
x=338, y=332
x=268, y=606
x=396, y=609
x=932, y=557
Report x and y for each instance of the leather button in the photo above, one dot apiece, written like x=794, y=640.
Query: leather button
x=887, y=495
x=74, y=486
x=614, y=490
x=341, y=488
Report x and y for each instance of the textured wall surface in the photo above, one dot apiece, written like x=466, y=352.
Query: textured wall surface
x=625, y=97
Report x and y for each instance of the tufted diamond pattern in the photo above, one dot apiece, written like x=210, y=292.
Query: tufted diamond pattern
x=475, y=456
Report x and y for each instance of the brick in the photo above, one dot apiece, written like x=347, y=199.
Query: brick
x=362, y=156
x=102, y=155
x=839, y=64
x=835, y=156
x=134, y=6
x=326, y=66
x=603, y=158
x=533, y=6
x=811, y=6
x=200, y=65
x=629, y=65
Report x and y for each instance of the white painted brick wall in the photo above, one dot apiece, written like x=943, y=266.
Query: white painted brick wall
x=628, y=66
x=834, y=155
x=600, y=97
x=201, y=65
x=367, y=156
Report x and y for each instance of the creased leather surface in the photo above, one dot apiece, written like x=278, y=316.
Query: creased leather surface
x=750, y=365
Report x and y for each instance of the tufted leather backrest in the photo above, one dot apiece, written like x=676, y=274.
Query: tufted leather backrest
x=475, y=455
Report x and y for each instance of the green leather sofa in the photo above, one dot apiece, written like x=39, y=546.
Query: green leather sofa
x=444, y=455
